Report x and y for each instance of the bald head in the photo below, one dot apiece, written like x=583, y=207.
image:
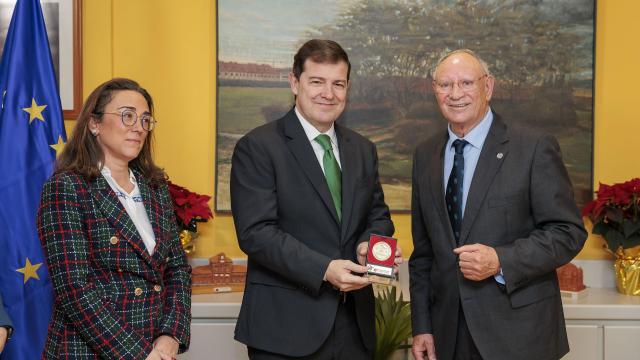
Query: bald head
x=460, y=53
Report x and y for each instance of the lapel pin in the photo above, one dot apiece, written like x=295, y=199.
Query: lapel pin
x=499, y=155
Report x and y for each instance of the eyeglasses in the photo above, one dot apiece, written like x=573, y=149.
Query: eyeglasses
x=446, y=87
x=129, y=118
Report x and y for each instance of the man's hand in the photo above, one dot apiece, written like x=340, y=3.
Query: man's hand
x=340, y=274
x=361, y=252
x=4, y=333
x=398, y=259
x=477, y=261
x=423, y=347
x=363, y=247
x=166, y=346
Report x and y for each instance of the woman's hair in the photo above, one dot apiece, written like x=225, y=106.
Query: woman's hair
x=82, y=154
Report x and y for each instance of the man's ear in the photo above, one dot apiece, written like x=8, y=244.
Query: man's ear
x=489, y=86
x=293, y=83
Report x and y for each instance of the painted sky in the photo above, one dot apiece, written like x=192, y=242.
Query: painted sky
x=268, y=32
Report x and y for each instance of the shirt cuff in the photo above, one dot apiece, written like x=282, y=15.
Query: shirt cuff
x=499, y=277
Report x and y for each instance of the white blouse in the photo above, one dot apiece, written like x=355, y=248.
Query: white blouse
x=134, y=206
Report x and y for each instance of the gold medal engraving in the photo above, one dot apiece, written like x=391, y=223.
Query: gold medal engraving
x=381, y=251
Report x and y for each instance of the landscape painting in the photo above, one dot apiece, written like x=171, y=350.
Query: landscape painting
x=539, y=51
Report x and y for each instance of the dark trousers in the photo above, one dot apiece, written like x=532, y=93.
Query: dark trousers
x=465, y=347
x=343, y=343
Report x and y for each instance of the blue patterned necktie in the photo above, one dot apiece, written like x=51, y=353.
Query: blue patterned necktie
x=453, y=195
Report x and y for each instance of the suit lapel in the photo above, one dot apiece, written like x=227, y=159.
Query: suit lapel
x=301, y=149
x=347, y=161
x=436, y=171
x=117, y=216
x=152, y=208
x=491, y=158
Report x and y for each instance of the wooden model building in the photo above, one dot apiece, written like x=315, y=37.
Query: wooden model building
x=570, y=278
x=221, y=275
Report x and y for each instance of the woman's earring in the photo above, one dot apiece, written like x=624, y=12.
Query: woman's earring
x=94, y=132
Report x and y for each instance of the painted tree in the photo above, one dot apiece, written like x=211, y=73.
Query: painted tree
x=394, y=44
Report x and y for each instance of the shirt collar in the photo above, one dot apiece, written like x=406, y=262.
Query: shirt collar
x=312, y=132
x=477, y=135
x=106, y=172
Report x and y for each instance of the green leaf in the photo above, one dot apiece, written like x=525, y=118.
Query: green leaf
x=632, y=241
x=393, y=323
x=615, y=214
x=614, y=239
x=600, y=228
x=630, y=227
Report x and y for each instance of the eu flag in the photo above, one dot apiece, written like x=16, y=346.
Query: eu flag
x=31, y=133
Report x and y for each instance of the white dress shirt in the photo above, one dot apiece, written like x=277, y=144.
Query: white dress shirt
x=312, y=133
x=134, y=206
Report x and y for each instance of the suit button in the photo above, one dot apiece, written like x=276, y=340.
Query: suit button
x=138, y=292
x=113, y=240
x=157, y=288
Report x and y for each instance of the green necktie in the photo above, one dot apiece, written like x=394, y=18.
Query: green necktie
x=331, y=172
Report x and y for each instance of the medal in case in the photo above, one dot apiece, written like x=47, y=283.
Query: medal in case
x=380, y=259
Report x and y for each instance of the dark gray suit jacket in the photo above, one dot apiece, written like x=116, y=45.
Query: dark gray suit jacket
x=521, y=203
x=287, y=225
x=5, y=321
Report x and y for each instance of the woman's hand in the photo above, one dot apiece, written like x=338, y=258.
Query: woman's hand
x=167, y=346
x=157, y=355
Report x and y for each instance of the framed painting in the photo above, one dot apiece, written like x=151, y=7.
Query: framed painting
x=64, y=29
x=540, y=52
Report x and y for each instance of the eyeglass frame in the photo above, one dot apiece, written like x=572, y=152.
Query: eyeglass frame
x=152, y=120
x=473, y=85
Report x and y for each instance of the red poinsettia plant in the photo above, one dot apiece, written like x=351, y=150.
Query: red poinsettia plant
x=615, y=214
x=190, y=207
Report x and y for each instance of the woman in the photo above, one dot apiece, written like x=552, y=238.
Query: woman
x=106, y=221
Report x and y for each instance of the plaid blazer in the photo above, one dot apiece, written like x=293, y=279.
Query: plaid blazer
x=112, y=299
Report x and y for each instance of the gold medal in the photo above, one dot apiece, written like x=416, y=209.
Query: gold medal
x=381, y=251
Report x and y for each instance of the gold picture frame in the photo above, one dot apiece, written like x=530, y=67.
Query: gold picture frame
x=541, y=53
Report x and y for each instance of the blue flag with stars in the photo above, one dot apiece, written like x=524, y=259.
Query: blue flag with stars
x=31, y=134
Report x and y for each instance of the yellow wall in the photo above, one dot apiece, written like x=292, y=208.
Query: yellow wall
x=169, y=48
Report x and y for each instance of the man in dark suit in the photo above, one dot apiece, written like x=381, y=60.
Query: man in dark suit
x=493, y=216
x=305, y=197
x=6, y=327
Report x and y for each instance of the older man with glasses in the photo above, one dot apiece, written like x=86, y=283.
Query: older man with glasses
x=493, y=215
